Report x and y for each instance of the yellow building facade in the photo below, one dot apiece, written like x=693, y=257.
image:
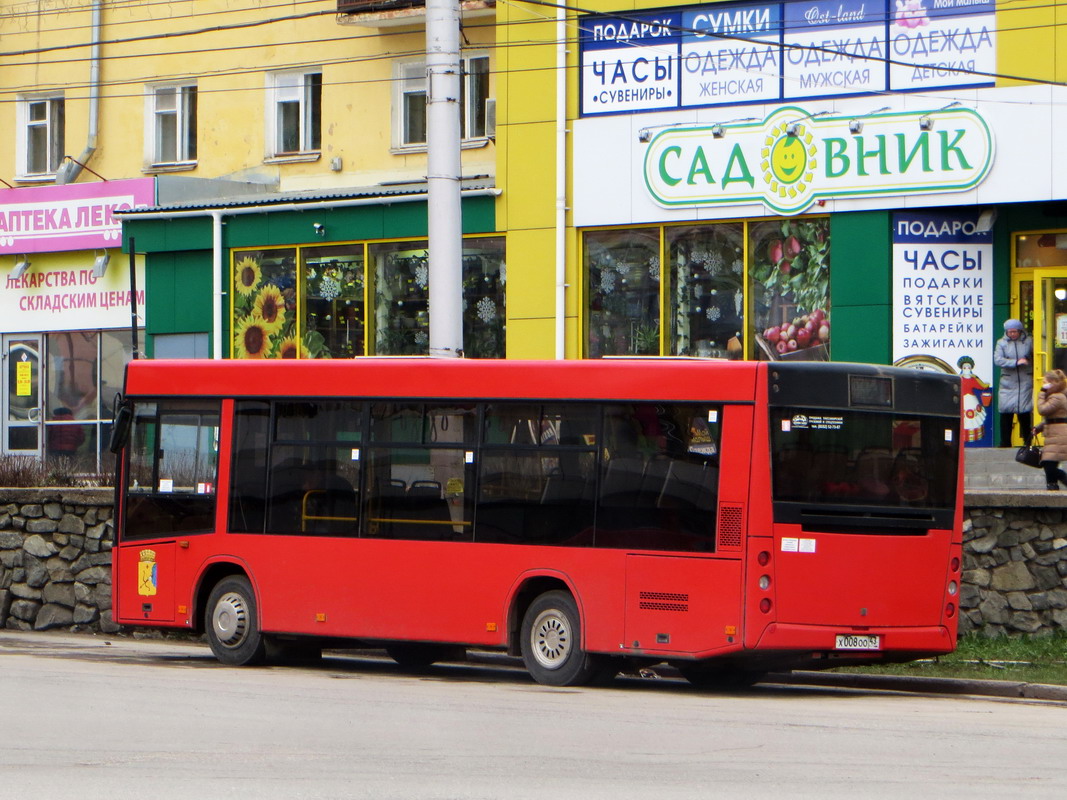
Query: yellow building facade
x=201, y=137
x=928, y=64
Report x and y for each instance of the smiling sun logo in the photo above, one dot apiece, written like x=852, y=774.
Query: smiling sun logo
x=788, y=160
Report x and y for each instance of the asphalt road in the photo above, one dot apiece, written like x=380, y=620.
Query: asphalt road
x=96, y=717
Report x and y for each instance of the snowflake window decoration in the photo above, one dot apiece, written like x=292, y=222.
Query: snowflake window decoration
x=607, y=281
x=329, y=287
x=713, y=313
x=421, y=338
x=422, y=275
x=653, y=268
x=486, y=310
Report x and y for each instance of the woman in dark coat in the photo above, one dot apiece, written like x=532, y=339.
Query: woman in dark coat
x=1052, y=405
x=1014, y=355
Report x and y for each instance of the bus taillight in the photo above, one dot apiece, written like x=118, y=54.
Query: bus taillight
x=763, y=558
x=950, y=610
x=765, y=605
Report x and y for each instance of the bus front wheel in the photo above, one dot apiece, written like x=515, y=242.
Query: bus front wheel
x=232, y=623
x=551, y=643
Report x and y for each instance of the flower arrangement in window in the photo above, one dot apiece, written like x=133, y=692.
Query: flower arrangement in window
x=264, y=307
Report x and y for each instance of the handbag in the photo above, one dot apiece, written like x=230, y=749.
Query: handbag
x=1029, y=454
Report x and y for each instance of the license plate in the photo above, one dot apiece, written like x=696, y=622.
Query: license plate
x=851, y=641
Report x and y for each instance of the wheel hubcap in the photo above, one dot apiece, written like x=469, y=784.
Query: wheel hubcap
x=551, y=639
x=230, y=619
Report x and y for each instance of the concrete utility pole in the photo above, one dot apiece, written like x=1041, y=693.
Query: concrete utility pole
x=442, y=178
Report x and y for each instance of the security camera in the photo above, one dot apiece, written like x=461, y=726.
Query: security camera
x=320, y=229
x=318, y=226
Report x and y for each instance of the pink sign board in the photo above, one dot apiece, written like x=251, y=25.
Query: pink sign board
x=78, y=216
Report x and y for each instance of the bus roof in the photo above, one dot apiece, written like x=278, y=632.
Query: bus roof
x=423, y=377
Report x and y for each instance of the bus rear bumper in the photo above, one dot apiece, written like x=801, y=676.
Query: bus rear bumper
x=823, y=642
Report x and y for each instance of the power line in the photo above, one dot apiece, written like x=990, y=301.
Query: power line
x=575, y=24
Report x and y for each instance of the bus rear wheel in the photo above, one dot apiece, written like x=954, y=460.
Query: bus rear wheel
x=551, y=639
x=232, y=623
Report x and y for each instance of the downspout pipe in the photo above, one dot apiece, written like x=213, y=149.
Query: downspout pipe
x=561, y=182
x=217, y=215
x=69, y=170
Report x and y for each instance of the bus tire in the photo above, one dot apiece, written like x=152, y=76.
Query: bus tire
x=551, y=643
x=232, y=623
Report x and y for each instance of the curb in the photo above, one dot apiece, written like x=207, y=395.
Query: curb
x=905, y=683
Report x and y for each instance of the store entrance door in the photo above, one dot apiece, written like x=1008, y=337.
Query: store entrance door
x=22, y=395
x=1050, y=322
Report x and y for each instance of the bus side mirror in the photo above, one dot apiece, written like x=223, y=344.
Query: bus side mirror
x=120, y=429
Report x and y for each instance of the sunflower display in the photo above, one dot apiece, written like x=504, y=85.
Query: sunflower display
x=269, y=306
x=246, y=276
x=251, y=339
x=264, y=320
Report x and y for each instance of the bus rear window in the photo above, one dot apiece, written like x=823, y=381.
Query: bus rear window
x=846, y=458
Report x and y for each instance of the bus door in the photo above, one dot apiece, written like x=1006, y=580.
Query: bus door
x=1050, y=322
x=22, y=395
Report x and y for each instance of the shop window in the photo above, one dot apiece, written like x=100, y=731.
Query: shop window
x=295, y=118
x=707, y=310
x=707, y=290
x=264, y=304
x=401, y=295
x=84, y=372
x=410, y=100
x=789, y=270
x=333, y=302
x=41, y=145
x=623, y=271
x=172, y=117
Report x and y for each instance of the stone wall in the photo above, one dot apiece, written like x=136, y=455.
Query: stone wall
x=1014, y=570
x=55, y=561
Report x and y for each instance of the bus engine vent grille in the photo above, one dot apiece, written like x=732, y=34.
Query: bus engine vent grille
x=731, y=526
x=663, y=601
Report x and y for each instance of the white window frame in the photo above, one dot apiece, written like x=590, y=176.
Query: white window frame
x=299, y=90
x=55, y=131
x=409, y=79
x=184, y=114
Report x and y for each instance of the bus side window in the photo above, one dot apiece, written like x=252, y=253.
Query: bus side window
x=659, y=477
x=248, y=473
x=173, y=468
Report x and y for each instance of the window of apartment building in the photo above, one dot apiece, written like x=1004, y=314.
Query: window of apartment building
x=41, y=144
x=172, y=119
x=295, y=117
x=410, y=101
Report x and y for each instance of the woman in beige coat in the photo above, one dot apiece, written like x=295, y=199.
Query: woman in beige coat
x=1052, y=405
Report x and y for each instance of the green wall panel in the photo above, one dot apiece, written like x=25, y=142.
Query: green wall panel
x=861, y=291
x=178, y=292
x=164, y=235
x=378, y=221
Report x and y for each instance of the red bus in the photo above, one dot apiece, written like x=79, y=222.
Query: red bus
x=728, y=518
